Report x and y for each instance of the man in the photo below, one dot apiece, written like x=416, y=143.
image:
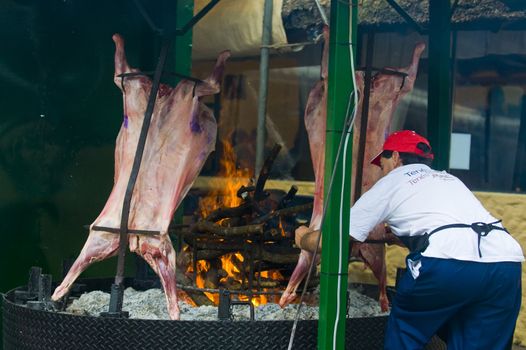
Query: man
x=464, y=268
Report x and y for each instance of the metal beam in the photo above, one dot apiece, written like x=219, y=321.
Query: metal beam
x=266, y=40
x=439, y=82
x=365, y=115
x=189, y=25
x=338, y=160
x=182, y=55
x=406, y=17
x=182, y=52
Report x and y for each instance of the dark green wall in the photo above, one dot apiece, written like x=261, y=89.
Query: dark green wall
x=59, y=117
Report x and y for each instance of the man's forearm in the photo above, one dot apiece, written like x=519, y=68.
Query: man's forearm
x=309, y=240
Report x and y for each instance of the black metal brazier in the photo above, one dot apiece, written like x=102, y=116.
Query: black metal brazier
x=26, y=328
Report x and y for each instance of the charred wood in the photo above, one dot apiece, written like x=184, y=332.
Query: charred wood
x=293, y=210
x=221, y=213
x=205, y=241
x=281, y=249
x=220, y=245
x=214, y=274
x=199, y=298
x=232, y=284
x=208, y=254
x=259, y=194
x=288, y=197
x=272, y=253
x=278, y=258
x=244, y=191
x=283, y=212
x=263, y=282
x=209, y=227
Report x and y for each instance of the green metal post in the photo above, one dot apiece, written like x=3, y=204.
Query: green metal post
x=439, y=83
x=183, y=44
x=335, y=238
x=182, y=56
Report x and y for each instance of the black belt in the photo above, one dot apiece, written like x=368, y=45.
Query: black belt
x=417, y=244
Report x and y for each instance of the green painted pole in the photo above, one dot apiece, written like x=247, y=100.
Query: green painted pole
x=183, y=65
x=439, y=83
x=335, y=238
x=183, y=43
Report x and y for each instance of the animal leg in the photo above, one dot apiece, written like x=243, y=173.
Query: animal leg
x=99, y=246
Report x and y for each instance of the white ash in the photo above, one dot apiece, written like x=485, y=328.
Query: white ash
x=151, y=304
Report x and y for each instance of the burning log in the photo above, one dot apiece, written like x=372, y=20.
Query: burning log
x=265, y=255
x=283, y=212
x=265, y=172
x=288, y=197
x=221, y=213
x=222, y=245
x=214, y=274
x=248, y=237
x=233, y=284
x=208, y=254
x=210, y=227
x=266, y=283
x=197, y=297
x=269, y=256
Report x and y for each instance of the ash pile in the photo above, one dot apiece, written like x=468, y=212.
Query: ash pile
x=151, y=304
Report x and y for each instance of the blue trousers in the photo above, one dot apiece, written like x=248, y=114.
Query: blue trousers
x=477, y=303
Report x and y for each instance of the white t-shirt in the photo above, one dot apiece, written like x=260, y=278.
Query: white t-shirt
x=414, y=199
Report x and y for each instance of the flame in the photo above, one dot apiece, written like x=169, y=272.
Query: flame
x=224, y=194
x=202, y=267
x=280, y=226
x=274, y=274
x=230, y=268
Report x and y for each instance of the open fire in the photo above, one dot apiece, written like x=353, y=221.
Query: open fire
x=239, y=259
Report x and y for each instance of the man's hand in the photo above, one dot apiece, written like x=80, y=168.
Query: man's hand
x=306, y=239
x=299, y=233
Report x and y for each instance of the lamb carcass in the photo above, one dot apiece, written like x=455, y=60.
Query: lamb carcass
x=315, y=123
x=182, y=134
x=385, y=94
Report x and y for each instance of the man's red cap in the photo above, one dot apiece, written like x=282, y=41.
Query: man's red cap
x=404, y=141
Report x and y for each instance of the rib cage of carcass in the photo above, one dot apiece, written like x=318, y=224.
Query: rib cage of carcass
x=182, y=134
x=385, y=93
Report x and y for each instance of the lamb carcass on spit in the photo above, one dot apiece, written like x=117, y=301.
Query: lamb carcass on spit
x=182, y=134
x=385, y=94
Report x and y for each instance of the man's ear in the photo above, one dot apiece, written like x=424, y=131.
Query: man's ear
x=396, y=158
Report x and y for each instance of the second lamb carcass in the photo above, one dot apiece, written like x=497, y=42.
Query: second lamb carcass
x=315, y=123
x=182, y=134
x=385, y=94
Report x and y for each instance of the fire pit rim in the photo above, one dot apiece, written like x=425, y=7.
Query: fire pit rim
x=26, y=328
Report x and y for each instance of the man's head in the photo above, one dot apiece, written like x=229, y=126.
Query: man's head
x=402, y=148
